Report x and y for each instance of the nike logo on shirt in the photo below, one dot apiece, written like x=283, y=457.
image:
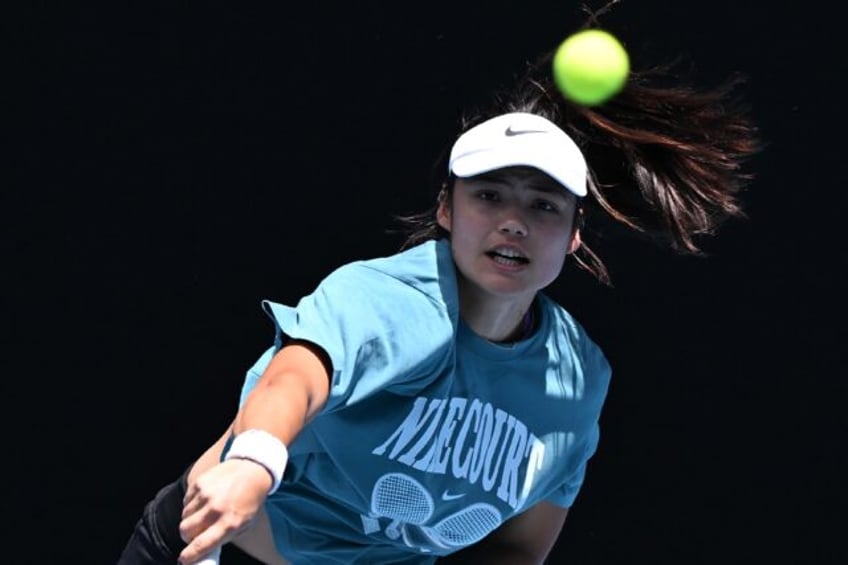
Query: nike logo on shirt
x=446, y=496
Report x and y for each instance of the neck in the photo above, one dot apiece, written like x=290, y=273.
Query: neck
x=495, y=319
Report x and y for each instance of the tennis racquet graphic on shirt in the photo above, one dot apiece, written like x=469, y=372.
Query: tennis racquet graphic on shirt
x=402, y=499
x=465, y=527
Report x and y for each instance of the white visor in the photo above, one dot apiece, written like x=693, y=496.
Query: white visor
x=518, y=139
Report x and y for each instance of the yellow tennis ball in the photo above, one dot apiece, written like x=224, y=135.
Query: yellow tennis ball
x=590, y=67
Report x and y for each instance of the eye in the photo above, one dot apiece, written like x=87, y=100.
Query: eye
x=489, y=195
x=546, y=206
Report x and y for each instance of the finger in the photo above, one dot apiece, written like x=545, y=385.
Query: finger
x=202, y=545
x=192, y=506
x=213, y=558
x=190, y=496
x=193, y=524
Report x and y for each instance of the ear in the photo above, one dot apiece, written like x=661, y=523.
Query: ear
x=575, y=242
x=443, y=212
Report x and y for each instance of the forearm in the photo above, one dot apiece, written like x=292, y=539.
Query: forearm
x=279, y=407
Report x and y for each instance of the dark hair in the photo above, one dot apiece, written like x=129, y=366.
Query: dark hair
x=665, y=157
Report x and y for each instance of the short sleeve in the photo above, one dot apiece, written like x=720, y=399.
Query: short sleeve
x=590, y=362
x=379, y=331
x=567, y=492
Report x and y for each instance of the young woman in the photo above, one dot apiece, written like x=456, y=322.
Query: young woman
x=437, y=405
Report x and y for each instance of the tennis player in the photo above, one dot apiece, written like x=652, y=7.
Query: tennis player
x=437, y=404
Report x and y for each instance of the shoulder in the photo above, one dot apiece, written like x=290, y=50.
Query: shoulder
x=382, y=322
x=403, y=301
x=425, y=271
x=563, y=322
x=566, y=334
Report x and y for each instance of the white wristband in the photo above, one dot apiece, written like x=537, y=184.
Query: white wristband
x=264, y=448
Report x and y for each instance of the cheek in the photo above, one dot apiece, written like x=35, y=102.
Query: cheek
x=468, y=228
x=555, y=255
x=460, y=220
x=554, y=263
x=557, y=233
x=557, y=247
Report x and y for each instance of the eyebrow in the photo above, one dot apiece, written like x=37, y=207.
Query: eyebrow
x=541, y=185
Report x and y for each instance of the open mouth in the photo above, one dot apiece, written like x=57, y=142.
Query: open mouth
x=507, y=257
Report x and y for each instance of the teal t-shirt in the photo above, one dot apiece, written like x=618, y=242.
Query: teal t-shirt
x=432, y=436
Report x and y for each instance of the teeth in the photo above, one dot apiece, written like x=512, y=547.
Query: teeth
x=508, y=252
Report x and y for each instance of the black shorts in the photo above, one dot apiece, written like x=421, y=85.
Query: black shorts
x=156, y=538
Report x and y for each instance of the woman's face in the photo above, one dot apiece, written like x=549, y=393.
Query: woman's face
x=510, y=230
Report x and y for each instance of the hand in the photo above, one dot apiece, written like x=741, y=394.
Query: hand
x=221, y=503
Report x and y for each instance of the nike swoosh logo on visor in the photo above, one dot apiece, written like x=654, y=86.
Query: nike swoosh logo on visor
x=511, y=132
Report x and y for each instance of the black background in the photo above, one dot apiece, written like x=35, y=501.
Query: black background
x=172, y=166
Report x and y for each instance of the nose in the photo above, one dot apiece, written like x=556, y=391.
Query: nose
x=513, y=224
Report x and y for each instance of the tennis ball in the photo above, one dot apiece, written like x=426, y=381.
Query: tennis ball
x=590, y=67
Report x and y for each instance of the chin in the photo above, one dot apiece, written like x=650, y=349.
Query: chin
x=505, y=288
